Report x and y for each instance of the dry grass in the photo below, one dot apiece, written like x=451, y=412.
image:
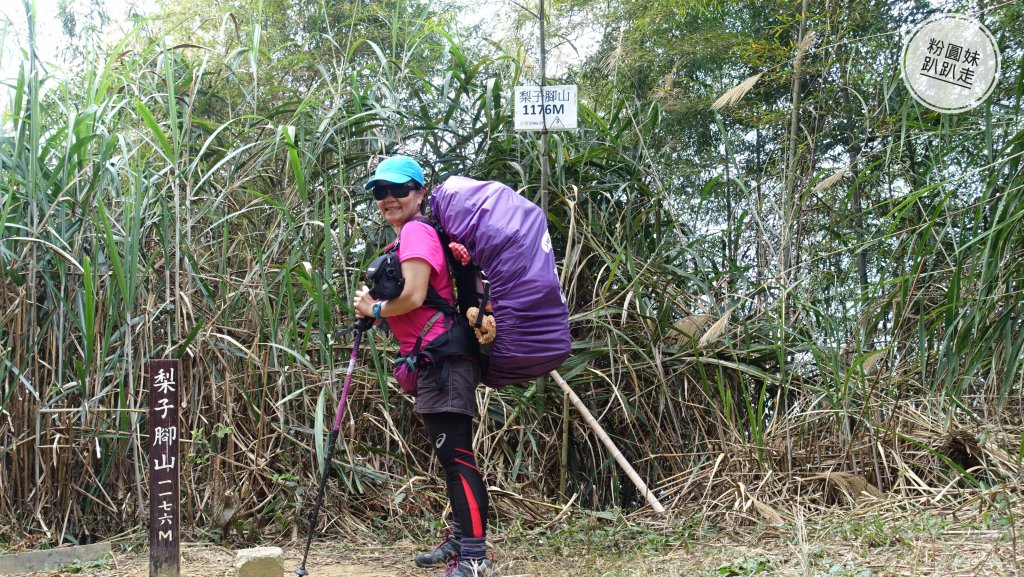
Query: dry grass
x=896, y=537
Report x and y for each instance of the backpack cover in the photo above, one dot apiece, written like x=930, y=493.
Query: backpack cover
x=507, y=236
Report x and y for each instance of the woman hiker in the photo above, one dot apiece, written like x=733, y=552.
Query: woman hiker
x=445, y=392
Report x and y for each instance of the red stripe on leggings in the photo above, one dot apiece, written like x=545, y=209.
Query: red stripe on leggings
x=474, y=509
x=467, y=464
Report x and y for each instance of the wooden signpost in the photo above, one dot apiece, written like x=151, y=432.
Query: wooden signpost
x=163, y=378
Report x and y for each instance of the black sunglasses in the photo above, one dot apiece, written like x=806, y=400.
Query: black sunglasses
x=381, y=191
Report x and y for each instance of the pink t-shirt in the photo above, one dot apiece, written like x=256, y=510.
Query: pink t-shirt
x=419, y=240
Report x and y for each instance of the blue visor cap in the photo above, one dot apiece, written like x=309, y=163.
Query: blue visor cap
x=396, y=169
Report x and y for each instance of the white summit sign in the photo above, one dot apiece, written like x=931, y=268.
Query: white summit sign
x=554, y=107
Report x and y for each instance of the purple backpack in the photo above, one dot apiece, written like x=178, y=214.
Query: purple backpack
x=507, y=236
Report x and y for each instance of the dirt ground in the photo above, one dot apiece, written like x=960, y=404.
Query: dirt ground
x=896, y=541
x=874, y=550
x=199, y=560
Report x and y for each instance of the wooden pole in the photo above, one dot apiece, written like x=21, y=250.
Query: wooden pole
x=544, y=121
x=543, y=150
x=164, y=380
x=608, y=443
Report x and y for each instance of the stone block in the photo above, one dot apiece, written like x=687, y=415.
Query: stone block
x=260, y=562
x=52, y=559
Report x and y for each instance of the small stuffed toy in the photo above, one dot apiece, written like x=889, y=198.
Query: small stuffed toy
x=487, y=330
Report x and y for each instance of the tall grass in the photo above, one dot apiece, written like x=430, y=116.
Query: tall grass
x=204, y=204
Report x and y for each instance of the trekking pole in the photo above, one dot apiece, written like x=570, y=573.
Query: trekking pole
x=361, y=326
x=608, y=443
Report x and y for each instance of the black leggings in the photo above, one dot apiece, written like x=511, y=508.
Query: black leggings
x=451, y=435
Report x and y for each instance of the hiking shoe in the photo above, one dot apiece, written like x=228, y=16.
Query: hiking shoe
x=448, y=549
x=470, y=568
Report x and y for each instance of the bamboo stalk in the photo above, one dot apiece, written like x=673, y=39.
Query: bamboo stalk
x=544, y=169
x=563, y=465
x=608, y=443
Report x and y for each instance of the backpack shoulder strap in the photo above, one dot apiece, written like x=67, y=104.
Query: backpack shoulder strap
x=465, y=277
x=434, y=299
x=442, y=236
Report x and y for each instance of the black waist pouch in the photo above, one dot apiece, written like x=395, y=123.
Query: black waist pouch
x=385, y=276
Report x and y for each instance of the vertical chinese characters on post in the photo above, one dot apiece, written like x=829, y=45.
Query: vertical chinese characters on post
x=164, y=468
x=164, y=462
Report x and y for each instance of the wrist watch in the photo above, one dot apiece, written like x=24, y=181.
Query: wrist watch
x=375, y=309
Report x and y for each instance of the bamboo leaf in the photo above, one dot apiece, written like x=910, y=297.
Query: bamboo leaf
x=165, y=148
x=61, y=252
x=716, y=330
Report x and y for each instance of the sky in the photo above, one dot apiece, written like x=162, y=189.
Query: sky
x=14, y=35
x=52, y=47
x=14, y=30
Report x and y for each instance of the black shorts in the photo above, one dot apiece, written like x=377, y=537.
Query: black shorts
x=449, y=388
